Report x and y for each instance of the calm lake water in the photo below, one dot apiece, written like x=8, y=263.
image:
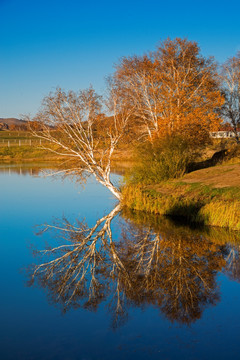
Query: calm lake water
x=110, y=285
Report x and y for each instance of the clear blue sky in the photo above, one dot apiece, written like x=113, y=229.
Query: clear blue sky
x=44, y=44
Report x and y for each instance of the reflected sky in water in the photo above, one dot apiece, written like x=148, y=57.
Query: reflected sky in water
x=134, y=287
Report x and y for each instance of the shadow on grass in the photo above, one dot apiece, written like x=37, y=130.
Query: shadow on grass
x=216, y=159
x=178, y=215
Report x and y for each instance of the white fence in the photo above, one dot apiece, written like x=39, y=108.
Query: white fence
x=19, y=142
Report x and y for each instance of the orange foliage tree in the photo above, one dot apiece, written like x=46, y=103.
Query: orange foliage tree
x=174, y=90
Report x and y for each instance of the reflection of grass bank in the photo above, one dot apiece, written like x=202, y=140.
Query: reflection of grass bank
x=192, y=200
x=167, y=226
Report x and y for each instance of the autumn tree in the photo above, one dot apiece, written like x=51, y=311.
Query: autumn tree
x=35, y=125
x=136, y=81
x=75, y=127
x=174, y=90
x=230, y=77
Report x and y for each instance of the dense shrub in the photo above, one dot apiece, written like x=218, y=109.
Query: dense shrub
x=233, y=153
x=161, y=160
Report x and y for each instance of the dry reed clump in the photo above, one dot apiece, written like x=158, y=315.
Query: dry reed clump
x=222, y=213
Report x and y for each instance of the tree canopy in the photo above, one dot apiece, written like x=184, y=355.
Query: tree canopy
x=174, y=90
x=230, y=77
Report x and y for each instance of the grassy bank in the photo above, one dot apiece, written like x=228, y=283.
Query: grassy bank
x=26, y=153
x=36, y=153
x=22, y=146
x=208, y=196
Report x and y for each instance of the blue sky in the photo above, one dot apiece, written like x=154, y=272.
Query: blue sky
x=45, y=44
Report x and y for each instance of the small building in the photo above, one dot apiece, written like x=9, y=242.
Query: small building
x=223, y=134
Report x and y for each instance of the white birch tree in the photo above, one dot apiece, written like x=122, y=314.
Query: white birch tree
x=231, y=89
x=74, y=127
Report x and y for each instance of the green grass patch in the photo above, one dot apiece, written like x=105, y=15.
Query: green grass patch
x=25, y=153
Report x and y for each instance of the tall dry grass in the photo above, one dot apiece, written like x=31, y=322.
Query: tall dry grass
x=200, y=204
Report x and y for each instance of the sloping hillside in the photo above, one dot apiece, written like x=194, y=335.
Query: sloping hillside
x=218, y=176
x=12, y=121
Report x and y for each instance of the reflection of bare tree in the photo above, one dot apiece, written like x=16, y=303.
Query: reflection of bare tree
x=233, y=263
x=171, y=268
x=77, y=270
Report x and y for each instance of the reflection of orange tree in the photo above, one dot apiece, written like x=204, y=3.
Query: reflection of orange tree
x=177, y=271
x=171, y=268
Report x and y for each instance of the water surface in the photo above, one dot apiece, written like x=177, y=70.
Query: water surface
x=112, y=284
